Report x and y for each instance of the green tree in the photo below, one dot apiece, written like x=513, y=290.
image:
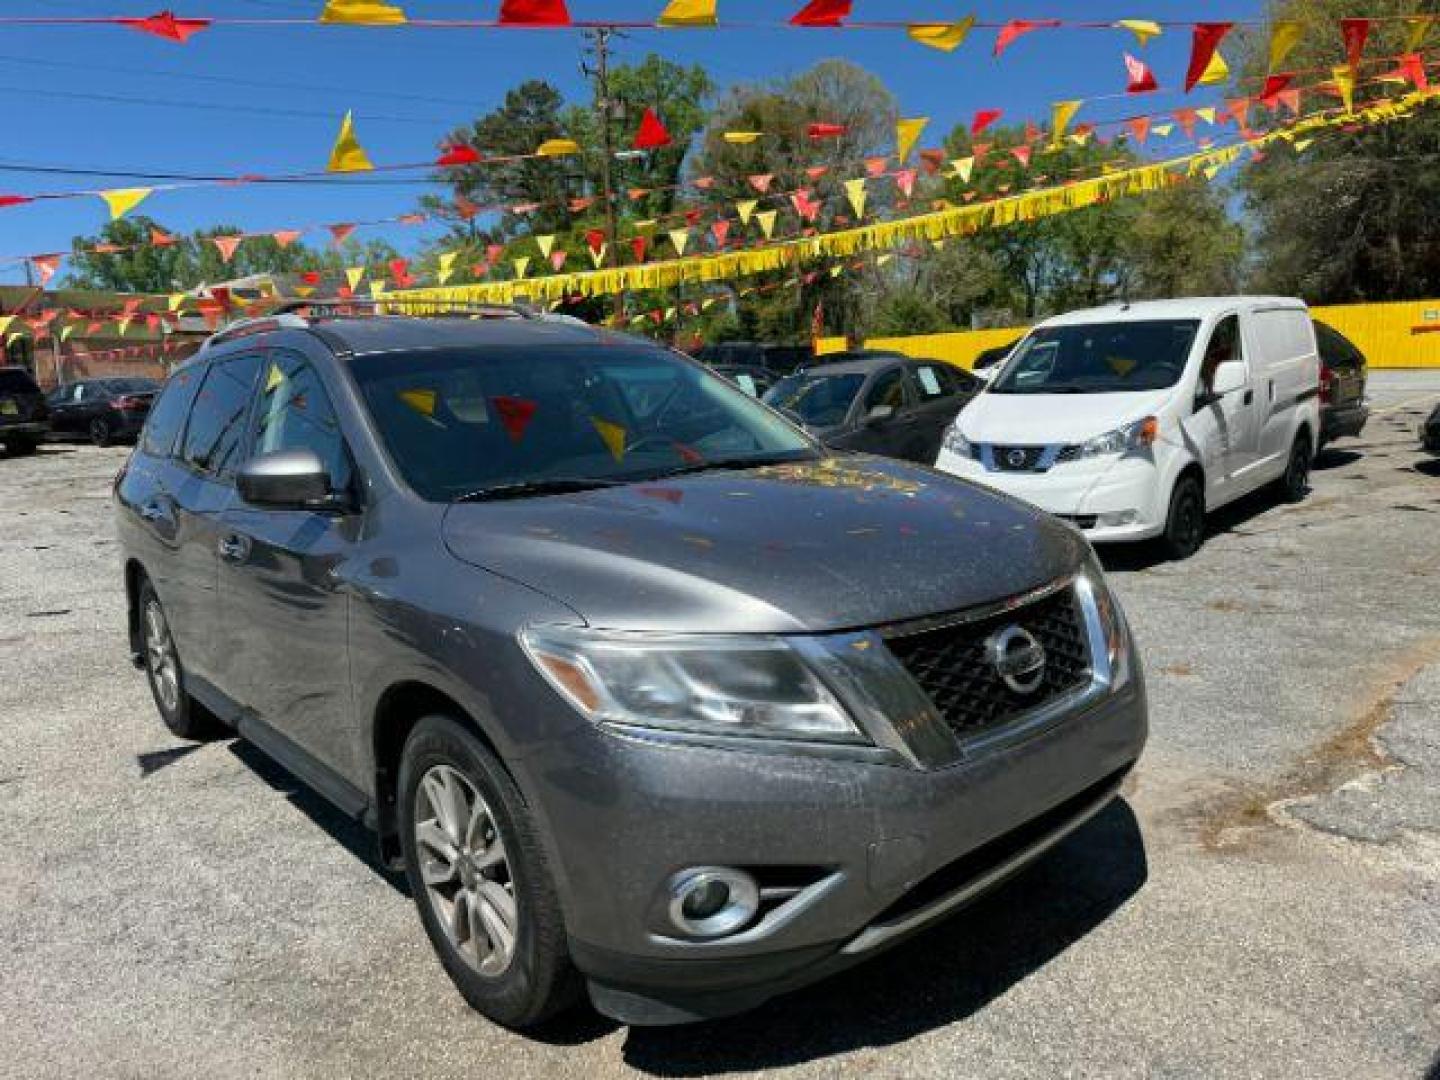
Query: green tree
x=138, y=267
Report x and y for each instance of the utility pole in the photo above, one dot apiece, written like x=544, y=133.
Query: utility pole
x=604, y=109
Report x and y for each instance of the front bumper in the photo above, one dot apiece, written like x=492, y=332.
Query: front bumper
x=1083, y=492
x=891, y=848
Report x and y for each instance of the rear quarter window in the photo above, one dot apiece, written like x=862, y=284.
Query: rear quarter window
x=168, y=414
x=1282, y=335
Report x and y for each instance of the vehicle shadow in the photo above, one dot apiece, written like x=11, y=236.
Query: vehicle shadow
x=1231, y=517
x=1334, y=458
x=347, y=832
x=1429, y=468
x=942, y=977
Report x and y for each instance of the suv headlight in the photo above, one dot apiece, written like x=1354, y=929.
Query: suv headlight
x=736, y=686
x=956, y=443
x=1140, y=435
x=1114, y=631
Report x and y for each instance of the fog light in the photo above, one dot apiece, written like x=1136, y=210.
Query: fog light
x=712, y=901
x=1118, y=517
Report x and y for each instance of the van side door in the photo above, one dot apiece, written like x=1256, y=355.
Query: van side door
x=1221, y=429
x=1286, y=373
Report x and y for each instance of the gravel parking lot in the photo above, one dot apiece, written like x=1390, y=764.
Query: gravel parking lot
x=1264, y=902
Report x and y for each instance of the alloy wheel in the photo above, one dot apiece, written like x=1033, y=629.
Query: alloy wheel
x=466, y=871
x=160, y=657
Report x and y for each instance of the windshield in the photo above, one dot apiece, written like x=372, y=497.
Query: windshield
x=464, y=422
x=1099, y=358
x=819, y=400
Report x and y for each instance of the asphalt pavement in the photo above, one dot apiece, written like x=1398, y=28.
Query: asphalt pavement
x=1264, y=902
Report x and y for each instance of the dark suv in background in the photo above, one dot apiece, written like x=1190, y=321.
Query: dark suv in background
x=645, y=690
x=24, y=417
x=1343, y=370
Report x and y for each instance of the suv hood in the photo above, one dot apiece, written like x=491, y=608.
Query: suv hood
x=1046, y=419
x=840, y=543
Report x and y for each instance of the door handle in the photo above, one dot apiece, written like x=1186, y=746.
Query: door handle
x=1249, y=396
x=234, y=547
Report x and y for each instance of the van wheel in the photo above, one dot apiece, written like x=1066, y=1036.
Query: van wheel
x=480, y=878
x=183, y=715
x=1295, y=484
x=1185, y=525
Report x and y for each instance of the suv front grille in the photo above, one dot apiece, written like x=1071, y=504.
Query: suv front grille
x=951, y=665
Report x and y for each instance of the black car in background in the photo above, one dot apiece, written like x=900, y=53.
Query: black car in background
x=877, y=403
x=24, y=418
x=781, y=359
x=1343, y=409
x=103, y=410
x=1430, y=433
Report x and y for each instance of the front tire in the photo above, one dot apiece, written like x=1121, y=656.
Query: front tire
x=183, y=715
x=480, y=878
x=1295, y=483
x=1185, y=524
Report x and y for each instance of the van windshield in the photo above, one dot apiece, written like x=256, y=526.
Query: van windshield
x=1100, y=358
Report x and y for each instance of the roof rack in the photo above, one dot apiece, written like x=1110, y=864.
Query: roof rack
x=287, y=314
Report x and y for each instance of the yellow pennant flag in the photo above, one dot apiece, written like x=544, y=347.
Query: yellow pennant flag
x=304, y=291
x=353, y=274
x=377, y=287
x=361, y=13
x=1284, y=36
x=938, y=245
x=546, y=244
x=275, y=377
x=422, y=401
x=522, y=264
x=1163, y=130
x=746, y=207
x=855, y=192
x=907, y=134
x=881, y=260
x=66, y=332
x=767, y=222
x=447, y=265
x=741, y=138
x=1060, y=116
x=1207, y=114
x=708, y=303
x=1345, y=84
x=964, y=168
x=557, y=148
x=613, y=436
x=1143, y=29
x=946, y=37
x=680, y=238
x=598, y=257
x=688, y=13
x=1216, y=71
x=1416, y=31
x=5, y=321
x=176, y=299
x=122, y=200
x=1301, y=144
x=347, y=155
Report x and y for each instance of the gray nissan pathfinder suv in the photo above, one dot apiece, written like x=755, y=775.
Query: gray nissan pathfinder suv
x=649, y=694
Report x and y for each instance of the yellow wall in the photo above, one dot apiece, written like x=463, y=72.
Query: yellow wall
x=1385, y=333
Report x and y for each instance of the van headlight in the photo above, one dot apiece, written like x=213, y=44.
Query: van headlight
x=1140, y=435
x=956, y=443
x=711, y=685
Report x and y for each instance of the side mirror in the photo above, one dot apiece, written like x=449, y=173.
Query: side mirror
x=1229, y=377
x=879, y=413
x=286, y=480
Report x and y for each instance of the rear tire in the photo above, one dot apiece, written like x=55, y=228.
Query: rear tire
x=481, y=879
x=1185, y=524
x=1294, y=485
x=183, y=715
x=101, y=434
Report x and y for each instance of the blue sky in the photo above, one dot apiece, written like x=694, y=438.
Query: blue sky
x=237, y=100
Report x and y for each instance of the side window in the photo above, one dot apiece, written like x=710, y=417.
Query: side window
x=80, y=394
x=294, y=413
x=1224, y=345
x=168, y=413
x=887, y=389
x=216, y=428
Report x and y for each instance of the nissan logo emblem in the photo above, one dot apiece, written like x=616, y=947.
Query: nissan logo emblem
x=1016, y=457
x=1017, y=658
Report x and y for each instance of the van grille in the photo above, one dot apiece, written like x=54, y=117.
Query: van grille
x=951, y=665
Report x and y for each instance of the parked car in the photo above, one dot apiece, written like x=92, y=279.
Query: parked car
x=989, y=361
x=1343, y=408
x=1134, y=420
x=103, y=410
x=780, y=359
x=755, y=381
x=1430, y=432
x=880, y=404
x=667, y=701
x=24, y=418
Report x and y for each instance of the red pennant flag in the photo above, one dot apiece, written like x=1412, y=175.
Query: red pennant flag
x=1142, y=79
x=932, y=160
x=160, y=238
x=983, y=119
x=1291, y=100
x=1139, y=128
x=1022, y=155
x=340, y=233
x=1205, y=39
x=1186, y=118
x=165, y=25
x=1239, y=110
x=1412, y=67
x=311, y=277
x=399, y=270
x=1274, y=86
x=286, y=237
x=1354, y=31
x=637, y=247
x=814, y=172
x=1032, y=133
x=465, y=209
x=534, y=13
x=1016, y=27
x=580, y=205
x=13, y=200
x=411, y=219
x=637, y=193
x=227, y=246
x=822, y=13
x=905, y=181
x=876, y=166
x=761, y=181
x=493, y=253
x=595, y=239
x=515, y=415
x=458, y=154
x=557, y=260
x=704, y=183
x=816, y=132
x=652, y=134
x=721, y=229
x=805, y=206
x=45, y=267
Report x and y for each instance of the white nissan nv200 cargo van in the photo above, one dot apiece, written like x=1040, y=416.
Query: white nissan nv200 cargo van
x=1131, y=421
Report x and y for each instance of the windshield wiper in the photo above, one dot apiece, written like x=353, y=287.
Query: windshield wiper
x=551, y=485
x=755, y=461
